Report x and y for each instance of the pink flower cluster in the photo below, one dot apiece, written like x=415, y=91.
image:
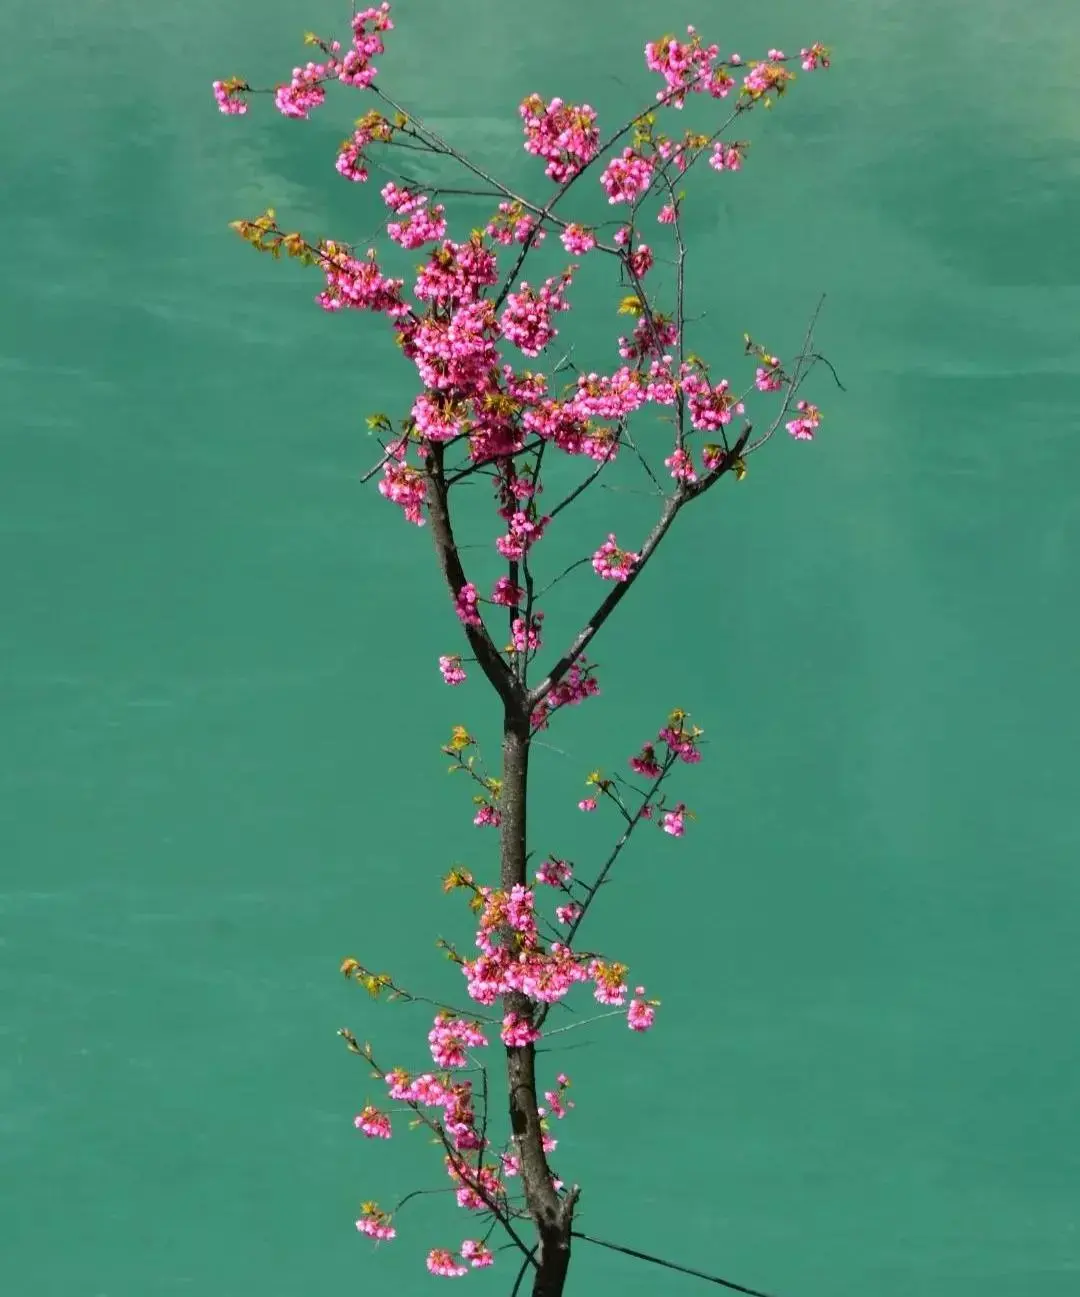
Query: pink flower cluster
x=565, y=135
x=642, y=1012
x=687, y=66
x=453, y=673
x=350, y=160
x=517, y=1032
x=405, y=486
x=641, y=260
x=710, y=407
x=674, y=821
x=451, y=1037
x=375, y=1223
x=356, y=67
x=523, y=531
x=627, y=177
x=555, y=873
x=527, y=319
x=769, y=377
x=358, y=284
x=612, y=563
x=681, y=463
x=577, y=240
x=727, y=157
x=465, y=605
x=558, y=1105
x=442, y=1262
x=453, y=1097
x=374, y=1124
x=513, y=224
x=421, y=223
x=305, y=90
x=804, y=427
x=487, y=816
x=506, y=593
x=525, y=635
x=578, y=684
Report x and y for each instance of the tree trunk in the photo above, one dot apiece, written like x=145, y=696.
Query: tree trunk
x=551, y=1214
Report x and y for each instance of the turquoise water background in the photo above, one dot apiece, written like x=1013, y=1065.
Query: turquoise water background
x=220, y=769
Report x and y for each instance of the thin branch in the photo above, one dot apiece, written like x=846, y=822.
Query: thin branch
x=669, y=1265
x=616, y=851
x=461, y=1165
x=801, y=370
x=588, y=481
x=491, y=662
x=579, y=562
x=530, y=1259
x=608, y=605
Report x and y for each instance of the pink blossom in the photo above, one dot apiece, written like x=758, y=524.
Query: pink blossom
x=227, y=94
x=476, y=1253
x=769, y=377
x=525, y=529
x=684, y=66
x=610, y=979
x=475, y=1183
x=640, y=1015
x=558, y=1104
x=565, y=135
x=303, y=92
x=374, y=1124
x=645, y=763
x=578, y=684
x=641, y=260
x=626, y=177
x=441, y=1262
x=682, y=743
x=465, y=605
x=681, y=465
x=453, y=673
x=527, y=319
x=513, y=224
x=817, y=56
x=525, y=635
x=507, y=593
x=554, y=872
x=517, y=1031
x=727, y=157
x=804, y=427
x=587, y=804
x=405, y=486
x=674, y=822
x=578, y=240
x=375, y=1223
x=613, y=564
x=357, y=70
x=711, y=407
x=451, y=1037
x=487, y=815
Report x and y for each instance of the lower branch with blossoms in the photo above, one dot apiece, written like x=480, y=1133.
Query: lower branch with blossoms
x=530, y=960
x=479, y=415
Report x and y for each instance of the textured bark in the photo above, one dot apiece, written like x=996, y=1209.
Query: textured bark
x=551, y=1214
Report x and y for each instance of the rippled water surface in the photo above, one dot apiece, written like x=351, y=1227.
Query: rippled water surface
x=220, y=772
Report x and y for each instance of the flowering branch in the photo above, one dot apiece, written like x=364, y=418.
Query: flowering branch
x=480, y=418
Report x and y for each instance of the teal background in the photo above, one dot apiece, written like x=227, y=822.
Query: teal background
x=221, y=715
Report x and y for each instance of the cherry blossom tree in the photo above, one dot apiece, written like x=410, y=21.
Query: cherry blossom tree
x=480, y=417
